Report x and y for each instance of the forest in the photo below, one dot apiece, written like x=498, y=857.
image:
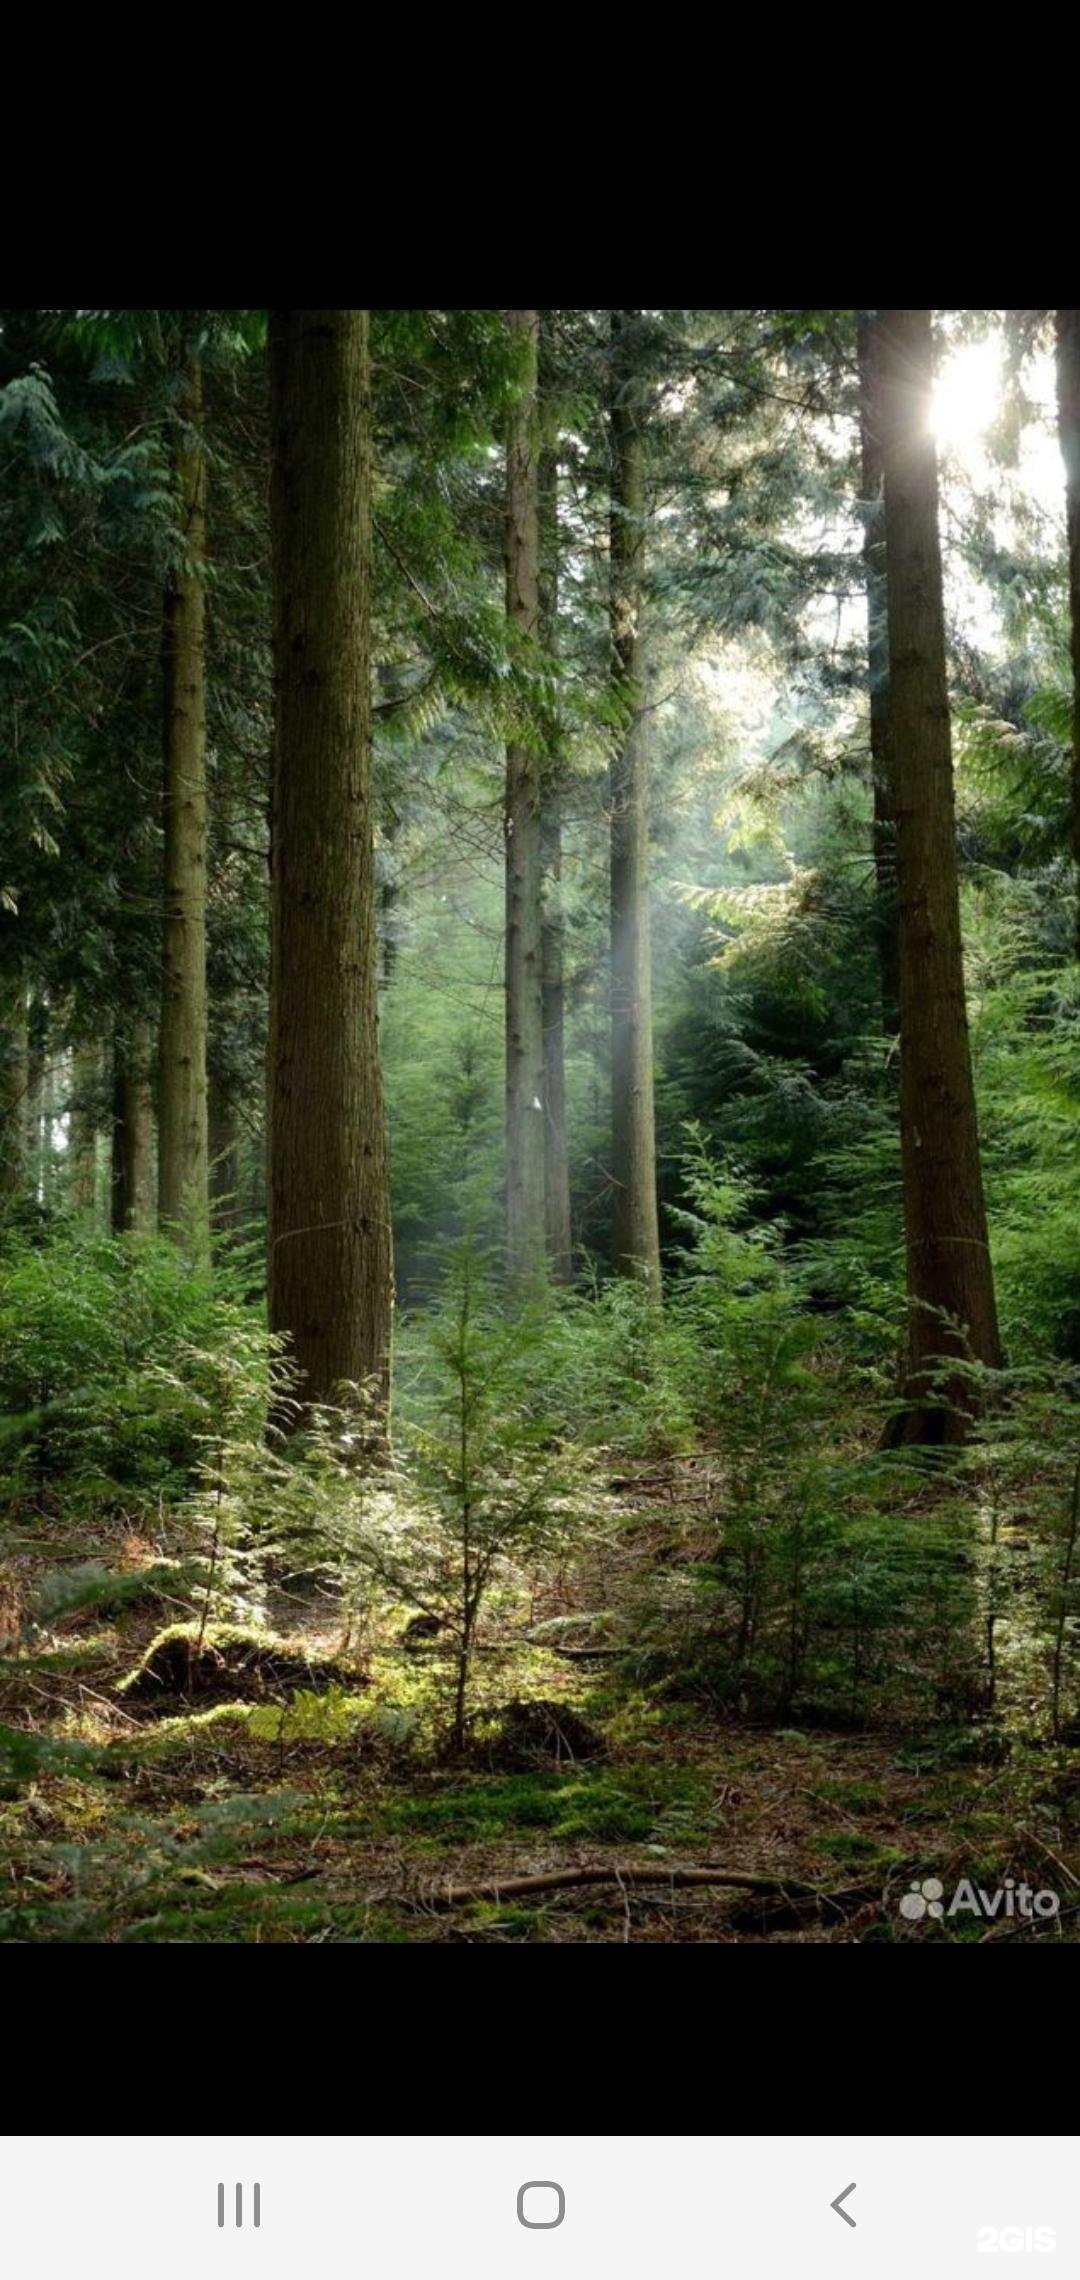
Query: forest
x=539, y=1126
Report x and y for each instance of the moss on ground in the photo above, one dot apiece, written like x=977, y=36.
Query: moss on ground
x=284, y=1799
x=225, y=1663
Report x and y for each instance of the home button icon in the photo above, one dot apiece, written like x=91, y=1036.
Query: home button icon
x=543, y=2221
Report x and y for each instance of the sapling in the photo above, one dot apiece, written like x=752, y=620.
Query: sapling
x=488, y=1489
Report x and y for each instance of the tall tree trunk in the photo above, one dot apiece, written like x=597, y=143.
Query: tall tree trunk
x=83, y=1128
x=224, y=1128
x=330, y=1250
x=182, y=1136
x=14, y=1081
x=556, y=1156
x=1068, y=396
x=525, y=1205
x=132, y=1134
x=138, y=898
x=553, y=931
x=950, y=1282
x=50, y=1103
x=635, y=1233
x=877, y=646
x=37, y=1048
x=255, y=1184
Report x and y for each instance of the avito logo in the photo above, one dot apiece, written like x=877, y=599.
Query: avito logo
x=926, y=1897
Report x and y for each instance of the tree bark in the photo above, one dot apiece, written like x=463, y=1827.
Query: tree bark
x=14, y=1084
x=132, y=1133
x=50, y=1102
x=82, y=1128
x=635, y=1232
x=37, y=1048
x=525, y=1118
x=877, y=647
x=951, y=1311
x=635, y=1873
x=553, y=931
x=330, y=1252
x=1068, y=396
x=182, y=1135
x=224, y=1129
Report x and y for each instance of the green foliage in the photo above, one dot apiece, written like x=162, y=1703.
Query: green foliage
x=811, y=1578
x=1022, y=1474
x=120, y=1366
x=1027, y=1043
x=490, y=1489
x=619, y=1366
x=90, y=1587
x=131, y=1878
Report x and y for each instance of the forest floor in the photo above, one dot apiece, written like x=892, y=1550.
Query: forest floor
x=327, y=1811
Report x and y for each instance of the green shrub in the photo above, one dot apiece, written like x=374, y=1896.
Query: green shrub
x=488, y=1489
x=110, y=1351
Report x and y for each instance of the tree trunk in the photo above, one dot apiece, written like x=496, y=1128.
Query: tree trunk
x=255, y=1186
x=132, y=1129
x=83, y=1128
x=877, y=646
x=330, y=1251
x=1068, y=396
x=951, y=1310
x=182, y=1136
x=556, y=1158
x=635, y=1232
x=14, y=1082
x=525, y=1192
x=224, y=1126
x=50, y=1104
x=553, y=932
x=37, y=1047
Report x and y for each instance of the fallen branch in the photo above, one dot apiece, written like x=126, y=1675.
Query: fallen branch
x=554, y=1880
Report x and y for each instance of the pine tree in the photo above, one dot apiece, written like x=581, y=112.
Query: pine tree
x=952, y=1309
x=224, y=1137
x=1068, y=397
x=83, y=1127
x=14, y=1082
x=183, y=1208
x=132, y=1126
x=330, y=1255
x=556, y=1156
x=877, y=646
x=525, y=1116
x=635, y=1234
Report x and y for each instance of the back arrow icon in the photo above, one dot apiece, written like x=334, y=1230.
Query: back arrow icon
x=843, y=2212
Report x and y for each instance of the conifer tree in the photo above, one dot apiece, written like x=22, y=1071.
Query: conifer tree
x=877, y=647
x=14, y=1081
x=83, y=1126
x=635, y=1233
x=553, y=944
x=525, y=1112
x=330, y=1256
x=132, y=1126
x=183, y=1208
x=1068, y=396
x=951, y=1310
